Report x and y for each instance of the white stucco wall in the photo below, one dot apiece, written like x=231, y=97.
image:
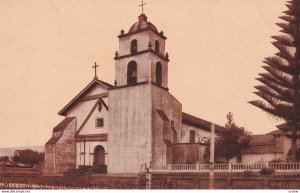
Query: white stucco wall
x=90, y=126
x=82, y=108
x=146, y=63
x=200, y=134
x=129, y=135
x=143, y=39
x=98, y=89
x=88, y=158
x=163, y=100
x=143, y=68
x=254, y=158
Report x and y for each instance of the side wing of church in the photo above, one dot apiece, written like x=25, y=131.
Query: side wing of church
x=117, y=129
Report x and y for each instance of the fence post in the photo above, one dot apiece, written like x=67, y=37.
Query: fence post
x=197, y=166
x=169, y=167
x=229, y=167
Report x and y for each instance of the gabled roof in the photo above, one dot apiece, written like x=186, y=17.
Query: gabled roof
x=197, y=122
x=24, y=152
x=82, y=93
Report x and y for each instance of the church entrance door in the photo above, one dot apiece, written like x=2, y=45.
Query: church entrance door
x=99, y=155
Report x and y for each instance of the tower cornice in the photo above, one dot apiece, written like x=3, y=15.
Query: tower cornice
x=142, y=30
x=142, y=52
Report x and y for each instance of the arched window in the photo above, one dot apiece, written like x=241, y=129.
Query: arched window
x=192, y=136
x=157, y=46
x=132, y=72
x=133, y=47
x=158, y=73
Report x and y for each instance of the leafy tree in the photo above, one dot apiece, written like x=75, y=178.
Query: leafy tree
x=280, y=89
x=298, y=154
x=230, y=141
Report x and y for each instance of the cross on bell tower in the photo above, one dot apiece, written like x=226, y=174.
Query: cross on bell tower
x=95, y=66
x=142, y=5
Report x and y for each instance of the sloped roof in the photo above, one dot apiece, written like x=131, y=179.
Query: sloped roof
x=162, y=115
x=197, y=122
x=82, y=93
x=262, y=140
x=60, y=127
x=276, y=132
x=53, y=140
x=283, y=126
x=263, y=144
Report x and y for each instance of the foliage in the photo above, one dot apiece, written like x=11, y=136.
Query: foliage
x=28, y=156
x=298, y=154
x=266, y=171
x=249, y=173
x=278, y=160
x=4, y=159
x=230, y=142
x=280, y=89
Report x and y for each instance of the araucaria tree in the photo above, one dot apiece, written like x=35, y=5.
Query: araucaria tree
x=280, y=89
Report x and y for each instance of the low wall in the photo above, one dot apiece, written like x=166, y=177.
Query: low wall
x=158, y=180
x=226, y=181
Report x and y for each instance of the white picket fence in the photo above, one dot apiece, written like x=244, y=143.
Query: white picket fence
x=230, y=167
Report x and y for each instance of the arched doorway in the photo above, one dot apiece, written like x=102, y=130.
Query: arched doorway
x=99, y=155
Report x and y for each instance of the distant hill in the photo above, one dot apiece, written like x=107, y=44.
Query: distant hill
x=9, y=151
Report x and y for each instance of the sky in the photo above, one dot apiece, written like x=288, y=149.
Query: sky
x=47, y=49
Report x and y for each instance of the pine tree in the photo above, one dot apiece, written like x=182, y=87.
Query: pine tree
x=280, y=89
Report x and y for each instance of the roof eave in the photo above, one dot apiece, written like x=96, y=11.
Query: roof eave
x=64, y=110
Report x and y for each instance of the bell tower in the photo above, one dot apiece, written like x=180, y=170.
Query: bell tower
x=140, y=107
x=141, y=56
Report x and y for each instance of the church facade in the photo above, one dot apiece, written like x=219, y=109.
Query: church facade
x=137, y=121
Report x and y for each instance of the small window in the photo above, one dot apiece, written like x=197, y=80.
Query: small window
x=192, y=136
x=157, y=46
x=133, y=47
x=99, y=122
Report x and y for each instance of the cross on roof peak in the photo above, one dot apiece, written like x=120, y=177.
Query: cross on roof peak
x=95, y=66
x=142, y=5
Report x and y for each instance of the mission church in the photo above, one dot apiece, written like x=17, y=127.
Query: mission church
x=137, y=121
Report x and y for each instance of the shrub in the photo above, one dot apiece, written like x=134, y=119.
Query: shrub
x=249, y=173
x=266, y=171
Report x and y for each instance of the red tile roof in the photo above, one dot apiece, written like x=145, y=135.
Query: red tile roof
x=197, y=122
